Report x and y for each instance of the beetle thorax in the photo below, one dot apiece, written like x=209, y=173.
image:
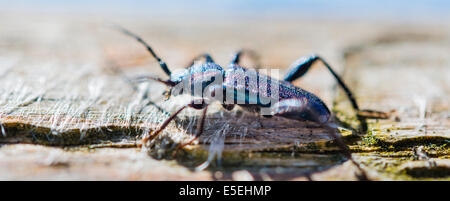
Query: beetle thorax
x=198, y=80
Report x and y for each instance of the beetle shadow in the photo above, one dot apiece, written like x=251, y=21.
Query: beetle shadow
x=239, y=145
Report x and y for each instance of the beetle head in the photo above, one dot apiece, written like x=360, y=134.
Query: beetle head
x=195, y=80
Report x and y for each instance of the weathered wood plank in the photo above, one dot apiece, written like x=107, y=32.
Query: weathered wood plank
x=405, y=72
x=62, y=90
x=59, y=87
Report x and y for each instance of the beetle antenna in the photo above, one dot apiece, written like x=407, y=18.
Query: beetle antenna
x=149, y=49
x=146, y=78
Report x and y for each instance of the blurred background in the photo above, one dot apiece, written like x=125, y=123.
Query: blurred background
x=281, y=31
x=400, y=10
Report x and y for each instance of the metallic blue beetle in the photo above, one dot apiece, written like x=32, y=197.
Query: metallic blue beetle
x=292, y=102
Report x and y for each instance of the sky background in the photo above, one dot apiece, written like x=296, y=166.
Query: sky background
x=404, y=10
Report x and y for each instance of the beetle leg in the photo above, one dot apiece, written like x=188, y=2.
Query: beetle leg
x=150, y=137
x=372, y=114
x=295, y=109
x=200, y=128
x=252, y=54
x=202, y=105
x=208, y=59
x=147, y=138
x=346, y=151
x=302, y=65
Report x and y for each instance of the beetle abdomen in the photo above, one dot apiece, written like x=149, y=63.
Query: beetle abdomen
x=287, y=100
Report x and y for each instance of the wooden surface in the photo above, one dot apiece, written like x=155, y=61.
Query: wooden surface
x=67, y=112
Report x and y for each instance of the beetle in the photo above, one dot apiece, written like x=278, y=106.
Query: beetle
x=292, y=102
